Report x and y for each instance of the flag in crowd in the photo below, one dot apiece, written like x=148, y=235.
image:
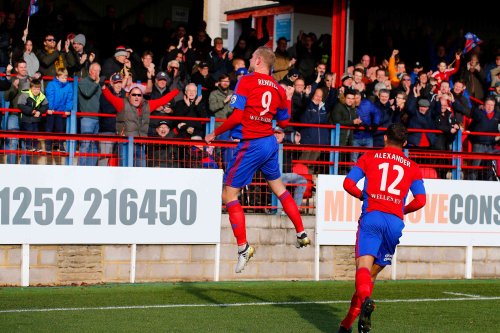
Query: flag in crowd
x=33, y=9
x=471, y=41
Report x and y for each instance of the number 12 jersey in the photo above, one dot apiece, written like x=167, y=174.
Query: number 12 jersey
x=389, y=175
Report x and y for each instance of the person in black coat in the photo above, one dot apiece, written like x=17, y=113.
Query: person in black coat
x=190, y=106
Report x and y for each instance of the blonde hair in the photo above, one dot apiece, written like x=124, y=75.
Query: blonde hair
x=267, y=55
x=61, y=71
x=173, y=62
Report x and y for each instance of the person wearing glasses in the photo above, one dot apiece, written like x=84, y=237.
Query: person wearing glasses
x=53, y=56
x=133, y=117
x=176, y=78
x=404, y=85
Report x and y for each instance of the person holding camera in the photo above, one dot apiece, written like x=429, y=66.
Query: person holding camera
x=175, y=78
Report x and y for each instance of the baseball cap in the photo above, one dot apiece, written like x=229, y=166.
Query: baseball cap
x=116, y=78
x=163, y=122
x=202, y=64
x=241, y=71
x=279, y=129
x=293, y=72
x=497, y=84
x=161, y=76
x=418, y=64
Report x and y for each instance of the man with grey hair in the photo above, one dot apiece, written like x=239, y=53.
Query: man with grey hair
x=89, y=93
x=175, y=78
x=190, y=106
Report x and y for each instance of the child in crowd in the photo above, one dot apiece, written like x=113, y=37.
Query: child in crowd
x=33, y=104
x=59, y=94
x=444, y=73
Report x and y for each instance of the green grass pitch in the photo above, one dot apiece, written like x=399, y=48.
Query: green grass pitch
x=284, y=306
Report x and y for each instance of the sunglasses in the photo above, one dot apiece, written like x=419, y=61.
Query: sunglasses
x=136, y=95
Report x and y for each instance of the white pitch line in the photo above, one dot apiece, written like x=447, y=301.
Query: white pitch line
x=227, y=305
x=461, y=294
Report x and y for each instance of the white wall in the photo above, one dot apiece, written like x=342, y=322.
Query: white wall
x=310, y=23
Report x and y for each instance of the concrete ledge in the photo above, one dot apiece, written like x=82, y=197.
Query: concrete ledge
x=276, y=258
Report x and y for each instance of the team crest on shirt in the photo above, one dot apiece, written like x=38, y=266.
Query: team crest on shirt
x=233, y=99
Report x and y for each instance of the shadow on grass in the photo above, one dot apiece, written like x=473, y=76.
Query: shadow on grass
x=325, y=317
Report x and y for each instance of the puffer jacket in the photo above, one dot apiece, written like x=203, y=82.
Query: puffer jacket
x=59, y=95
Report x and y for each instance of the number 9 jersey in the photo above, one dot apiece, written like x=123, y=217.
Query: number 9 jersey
x=389, y=175
x=262, y=99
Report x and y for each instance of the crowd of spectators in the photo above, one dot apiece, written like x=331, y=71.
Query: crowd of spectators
x=199, y=73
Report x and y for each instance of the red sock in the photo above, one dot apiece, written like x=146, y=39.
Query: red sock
x=353, y=312
x=364, y=284
x=291, y=209
x=237, y=219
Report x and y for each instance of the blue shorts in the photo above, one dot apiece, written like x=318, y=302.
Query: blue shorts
x=252, y=155
x=378, y=234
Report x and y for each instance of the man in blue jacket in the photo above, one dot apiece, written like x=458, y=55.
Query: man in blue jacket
x=370, y=120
